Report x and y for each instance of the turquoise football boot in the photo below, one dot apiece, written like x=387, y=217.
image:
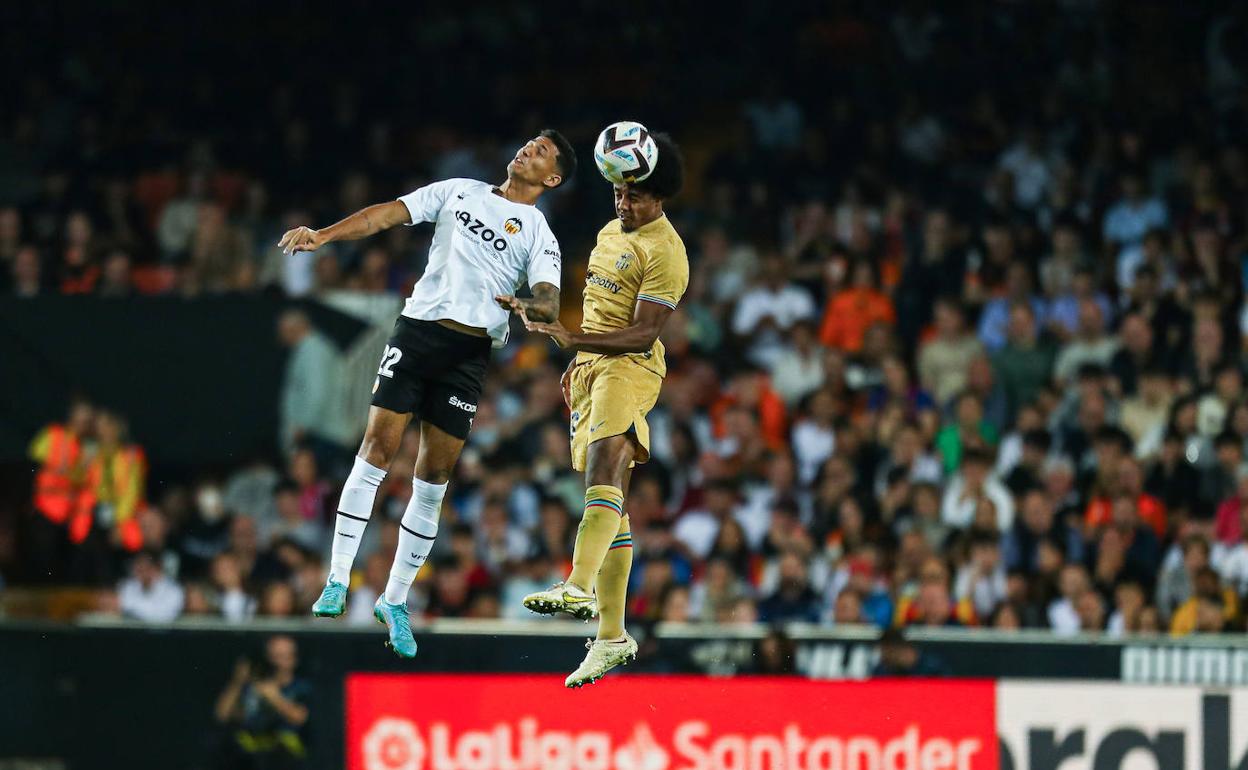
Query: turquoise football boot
x=333, y=601
x=394, y=617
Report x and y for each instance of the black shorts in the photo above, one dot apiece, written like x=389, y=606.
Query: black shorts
x=433, y=372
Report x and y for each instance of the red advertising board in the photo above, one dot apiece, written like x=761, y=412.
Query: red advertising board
x=510, y=722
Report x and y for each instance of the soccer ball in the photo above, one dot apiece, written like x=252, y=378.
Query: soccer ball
x=625, y=152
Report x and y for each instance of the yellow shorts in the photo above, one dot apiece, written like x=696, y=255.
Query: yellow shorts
x=611, y=396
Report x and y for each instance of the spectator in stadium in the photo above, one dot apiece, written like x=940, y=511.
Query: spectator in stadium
x=1233, y=511
x=900, y=657
x=1218, y=481
x=1135, y=355
x=1131, y=218
x=536, y=573
x=264, y=708
x=227, y=579
x=1124, y=479
x=1089, y=344
x=769, y=309
x=58, y=449
x=1063, y=613
x=1211, y=615
x=1024, y=363
x=1144, y=414
x=1091, y=610
x=968, y=429
x=290, y=522
x=974, y=482
x=814, y=435
x=149, y=595
x=1177, y=580
x=376, y=573
x=78, y=270
x=775, y=654
x=945, y=358
x=1129, y=605
x=1174, y=478
x=794, y=599
x=26, y=273
x=797, y=370
x=924, y=517
x=312, y=406
x=981, y=580
x=277, y=600
x=854, y=309
x=1206, y=586
x=697, y=529
x=104, y=519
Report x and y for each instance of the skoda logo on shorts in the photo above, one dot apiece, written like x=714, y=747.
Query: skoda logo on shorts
x=512, y=226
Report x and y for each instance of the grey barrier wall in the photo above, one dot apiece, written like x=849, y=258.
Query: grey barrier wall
x=108, y=694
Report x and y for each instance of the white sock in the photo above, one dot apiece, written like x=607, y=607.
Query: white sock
x=354, y=509
x=417, y=531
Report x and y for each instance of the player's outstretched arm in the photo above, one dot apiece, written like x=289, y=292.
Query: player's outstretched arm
x=638, y=337
x=361, y=224
x=543, y=307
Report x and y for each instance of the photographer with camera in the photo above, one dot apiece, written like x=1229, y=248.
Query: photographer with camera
x=264, y=707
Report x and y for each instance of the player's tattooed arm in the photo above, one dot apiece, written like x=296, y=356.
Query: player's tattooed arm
x=361, y=224
x=638, y=337
x=543, y=307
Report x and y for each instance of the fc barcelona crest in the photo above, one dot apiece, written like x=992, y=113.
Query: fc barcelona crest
x=623, y=262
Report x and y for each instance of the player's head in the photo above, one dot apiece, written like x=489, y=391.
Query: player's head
x=639, y=203
x=546, y=160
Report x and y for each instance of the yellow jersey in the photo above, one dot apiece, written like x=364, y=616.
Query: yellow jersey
x=648, y=264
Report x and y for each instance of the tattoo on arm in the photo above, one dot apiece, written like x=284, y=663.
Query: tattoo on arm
x=544, y=305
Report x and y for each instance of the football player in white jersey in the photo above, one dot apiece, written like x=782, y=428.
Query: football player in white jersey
x=488, y=241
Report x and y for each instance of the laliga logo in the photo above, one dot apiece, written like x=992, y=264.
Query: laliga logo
x=643, y=752
x=393, y=743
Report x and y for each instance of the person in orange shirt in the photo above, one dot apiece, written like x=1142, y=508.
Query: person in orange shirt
x=853, y=309
x=1128, y=481
x=751, y=389
x=58, y=449
x=106, y=511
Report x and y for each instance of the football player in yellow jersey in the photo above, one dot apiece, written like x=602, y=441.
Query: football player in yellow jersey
x=638, y=271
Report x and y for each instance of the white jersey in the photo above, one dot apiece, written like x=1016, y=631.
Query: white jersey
x=483, y=245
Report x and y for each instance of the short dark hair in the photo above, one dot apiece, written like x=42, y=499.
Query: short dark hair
x=565, y=159
x=1038, y=438
x=668, y=176
x=1228, y=438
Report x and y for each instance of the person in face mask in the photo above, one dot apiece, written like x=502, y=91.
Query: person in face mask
x=206, y=532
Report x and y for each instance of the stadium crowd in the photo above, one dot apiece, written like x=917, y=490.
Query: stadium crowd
x=970, y=359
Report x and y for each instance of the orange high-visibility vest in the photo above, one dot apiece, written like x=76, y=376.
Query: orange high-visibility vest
x=56, y=481
x=115, y=478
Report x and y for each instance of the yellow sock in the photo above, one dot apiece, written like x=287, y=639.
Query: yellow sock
x=604, y=505
x=612, y=586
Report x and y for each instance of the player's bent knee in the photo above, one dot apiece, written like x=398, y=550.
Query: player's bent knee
x=377, y=452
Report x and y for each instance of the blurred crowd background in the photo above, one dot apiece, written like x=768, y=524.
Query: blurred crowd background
x=963, y=343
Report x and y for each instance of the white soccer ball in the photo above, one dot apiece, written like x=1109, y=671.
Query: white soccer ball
x=625, y=152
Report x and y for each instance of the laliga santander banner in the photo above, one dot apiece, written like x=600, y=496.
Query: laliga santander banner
x=521, y=722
